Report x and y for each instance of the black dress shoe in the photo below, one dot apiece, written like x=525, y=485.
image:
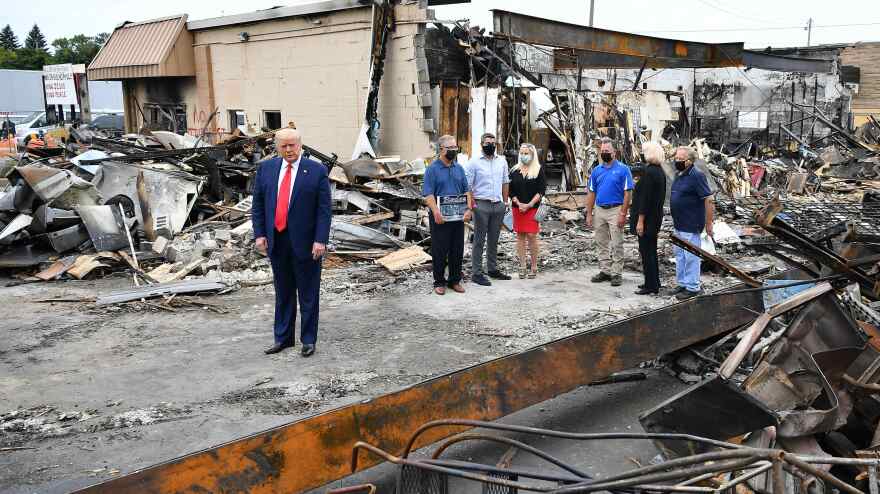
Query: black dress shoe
x=277, y=347
x=481, y=280
x=498, y=275
x=308, y=350
x=645, y=291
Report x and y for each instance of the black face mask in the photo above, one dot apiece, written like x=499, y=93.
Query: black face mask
x=489, y=148
x=680, y=165
x=606, y=157
x=451, y=154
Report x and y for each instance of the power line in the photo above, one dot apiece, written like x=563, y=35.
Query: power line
x=730, y=12
x=774, y=28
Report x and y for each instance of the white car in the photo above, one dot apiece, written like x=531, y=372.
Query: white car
x=34, y=123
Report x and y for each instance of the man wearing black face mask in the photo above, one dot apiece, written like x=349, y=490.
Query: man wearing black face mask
x=692, y=210
x=611, y=185
x=446, y=178
x=488, y=180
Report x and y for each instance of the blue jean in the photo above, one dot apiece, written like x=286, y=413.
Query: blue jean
x=687, y=265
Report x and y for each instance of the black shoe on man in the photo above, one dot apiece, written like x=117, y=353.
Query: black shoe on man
x=686, y=294
x=481, y=280
x=616, y=280
x=646, y=291
x=308, y=350
x=675, y=291
x=498, y=275
x=602, y=276
x=277, y=347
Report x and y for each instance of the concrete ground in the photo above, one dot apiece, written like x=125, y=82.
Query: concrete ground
x=90, y=393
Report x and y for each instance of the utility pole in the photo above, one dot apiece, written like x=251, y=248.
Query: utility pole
x=592, y=2
x=809, y=29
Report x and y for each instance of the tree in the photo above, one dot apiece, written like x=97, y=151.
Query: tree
x=8, y=39
x=28, y=59
x=35, y=40
x=8, y=59
x=76, y=49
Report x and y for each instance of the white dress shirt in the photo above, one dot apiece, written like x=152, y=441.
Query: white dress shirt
x=293, y=168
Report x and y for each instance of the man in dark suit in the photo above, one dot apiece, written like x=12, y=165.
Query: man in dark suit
x=291, y=217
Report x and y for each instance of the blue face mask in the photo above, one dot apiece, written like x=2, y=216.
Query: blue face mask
x=525, y=159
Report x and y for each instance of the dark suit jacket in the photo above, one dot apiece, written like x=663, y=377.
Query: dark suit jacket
x=308, y=220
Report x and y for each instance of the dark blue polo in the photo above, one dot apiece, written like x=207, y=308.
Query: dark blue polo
x=609, y=183
x=687, y=203
x=442, y=180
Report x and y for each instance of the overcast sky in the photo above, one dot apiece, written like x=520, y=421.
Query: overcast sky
x=758, y=23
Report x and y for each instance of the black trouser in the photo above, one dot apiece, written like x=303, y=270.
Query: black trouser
x=648, y=252
x=447, y=247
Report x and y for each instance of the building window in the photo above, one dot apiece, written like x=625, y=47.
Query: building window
x=166, y=117
x=272, y=119
x=752, y=120
x=237, y=120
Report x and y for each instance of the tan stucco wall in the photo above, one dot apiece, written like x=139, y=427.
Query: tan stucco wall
x=315, y=70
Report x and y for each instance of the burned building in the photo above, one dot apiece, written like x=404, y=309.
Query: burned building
x=311, y=64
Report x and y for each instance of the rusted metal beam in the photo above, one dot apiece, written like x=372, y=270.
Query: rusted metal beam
x=311, y=452
x=721, y=263
x=536, y=30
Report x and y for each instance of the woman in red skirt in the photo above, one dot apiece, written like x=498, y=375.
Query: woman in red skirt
x=527, y=187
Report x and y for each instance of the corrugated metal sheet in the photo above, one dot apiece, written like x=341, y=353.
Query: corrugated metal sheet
x=139, y=50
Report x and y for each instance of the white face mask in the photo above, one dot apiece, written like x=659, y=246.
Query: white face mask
x=525, y=159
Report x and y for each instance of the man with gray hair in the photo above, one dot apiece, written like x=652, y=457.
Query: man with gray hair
x=291, y=218
x=611, y=185
x=488, y=180
x=446, y=182
x=692, y=210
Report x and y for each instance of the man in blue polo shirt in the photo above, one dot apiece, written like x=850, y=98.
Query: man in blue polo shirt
x=611, y=185
x=444, y=178
x=692, y=210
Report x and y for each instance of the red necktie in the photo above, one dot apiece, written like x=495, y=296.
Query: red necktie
x=283, y=204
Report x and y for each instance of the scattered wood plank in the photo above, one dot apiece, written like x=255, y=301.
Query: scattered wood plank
x=84, y=265
x=372, y=218
x=164, y=274
x=403, y=259
x=57, y=268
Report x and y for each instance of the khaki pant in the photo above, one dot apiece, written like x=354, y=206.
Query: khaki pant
x=609, y=239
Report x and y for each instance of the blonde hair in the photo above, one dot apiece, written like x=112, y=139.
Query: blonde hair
x=654, y=153
x=534, y=166
x=288, y=133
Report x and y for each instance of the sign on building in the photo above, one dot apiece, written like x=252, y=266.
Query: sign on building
x=60, y=86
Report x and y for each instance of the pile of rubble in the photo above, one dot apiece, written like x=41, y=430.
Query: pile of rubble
x=803, y=377
x=170, y=209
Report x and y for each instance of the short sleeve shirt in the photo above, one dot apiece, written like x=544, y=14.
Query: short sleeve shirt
x=441, y=180
x=609, y=183
x=687, y=202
